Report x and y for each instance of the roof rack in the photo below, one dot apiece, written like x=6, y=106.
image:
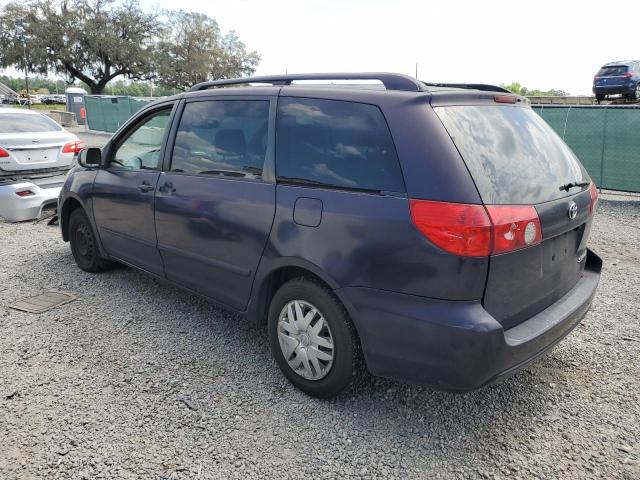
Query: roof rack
x=471, y=86
x=391, y=81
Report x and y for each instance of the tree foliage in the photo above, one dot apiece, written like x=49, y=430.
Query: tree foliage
x=96, y=41
x=519, y=89
x=35, y=84
x=89, y=40
x=194, y=50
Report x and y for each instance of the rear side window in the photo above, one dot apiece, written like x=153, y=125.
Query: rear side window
x=335, y=144
x=613, y=71
x=26, y=123
x=513, y=155
x=222, y=138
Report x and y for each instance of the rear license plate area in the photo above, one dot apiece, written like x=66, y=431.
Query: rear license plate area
x=35, y=155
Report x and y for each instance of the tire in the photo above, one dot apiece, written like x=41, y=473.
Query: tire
x=83, y=243
x=346, y=367
x=599, y=97
x=636, y=94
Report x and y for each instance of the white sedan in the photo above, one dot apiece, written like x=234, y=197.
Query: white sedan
x=35, y=155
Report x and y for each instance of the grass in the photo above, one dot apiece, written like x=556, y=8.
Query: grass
x=42, y=107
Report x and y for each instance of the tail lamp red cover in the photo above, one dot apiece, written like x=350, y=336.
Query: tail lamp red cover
x=73, y=147
x=477, y=230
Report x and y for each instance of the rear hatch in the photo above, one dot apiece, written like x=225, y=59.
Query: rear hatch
x=611, y=76
x=31, y=142
x=517, y=160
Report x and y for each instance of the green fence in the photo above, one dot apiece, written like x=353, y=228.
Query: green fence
x=605, y=138
x=106, y=113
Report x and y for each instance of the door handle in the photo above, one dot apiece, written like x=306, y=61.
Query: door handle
x=145, y=187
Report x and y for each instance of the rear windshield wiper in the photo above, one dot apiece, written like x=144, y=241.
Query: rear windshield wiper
x=568, y=186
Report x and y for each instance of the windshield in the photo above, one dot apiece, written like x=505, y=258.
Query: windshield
x=612, y=71
x=513, y=155
x=26, y=123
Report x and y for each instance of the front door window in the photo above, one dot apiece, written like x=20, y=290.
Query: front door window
x=140, y=150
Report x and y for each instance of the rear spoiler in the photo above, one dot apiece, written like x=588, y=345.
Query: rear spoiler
x=470, y=86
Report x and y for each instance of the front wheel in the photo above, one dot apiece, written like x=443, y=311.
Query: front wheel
x=83, y=244
x=313, y=340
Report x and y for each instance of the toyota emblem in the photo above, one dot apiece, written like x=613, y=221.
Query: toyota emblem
x=573, y=210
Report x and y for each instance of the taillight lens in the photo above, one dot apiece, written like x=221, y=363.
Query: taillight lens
x=457, y=228
x=3, y=153
x=475, y=230
x=73, y=147
x=593, y=191
x=628, y=75
x=514, y=227
x=25, y=193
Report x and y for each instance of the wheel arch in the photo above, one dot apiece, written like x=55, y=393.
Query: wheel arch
x=70, y=204
x=269, y=280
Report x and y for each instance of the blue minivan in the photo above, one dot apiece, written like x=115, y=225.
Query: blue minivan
x=432, y=233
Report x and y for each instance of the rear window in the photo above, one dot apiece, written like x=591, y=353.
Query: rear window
x=612, y=71
x=335, y=144
x=26, y=123
x=513, y=155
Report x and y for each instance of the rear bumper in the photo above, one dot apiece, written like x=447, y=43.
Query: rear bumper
x=615, y=90
x=18, y=209
x=458, y=346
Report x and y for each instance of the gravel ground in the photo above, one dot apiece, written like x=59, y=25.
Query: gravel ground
x=137, y=379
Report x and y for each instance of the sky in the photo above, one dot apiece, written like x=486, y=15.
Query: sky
x=541, y=44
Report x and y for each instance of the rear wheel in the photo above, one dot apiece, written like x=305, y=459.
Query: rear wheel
x=636, y=94
x=313, y=340
x=83, y=244
x=599, y=97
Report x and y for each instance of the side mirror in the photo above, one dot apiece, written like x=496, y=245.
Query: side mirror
x=90, y=157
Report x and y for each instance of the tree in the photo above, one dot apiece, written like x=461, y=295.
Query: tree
x=518, y=89
x=194, y=50
x=36, y=83
x=92, y=41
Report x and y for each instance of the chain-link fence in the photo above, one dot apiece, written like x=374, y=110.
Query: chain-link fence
x=106, y=113
x=605, y=138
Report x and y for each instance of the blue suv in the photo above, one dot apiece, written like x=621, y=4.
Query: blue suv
x=432, y=233
x=618, y=78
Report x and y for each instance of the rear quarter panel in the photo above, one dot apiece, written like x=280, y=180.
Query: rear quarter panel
x=369, y=240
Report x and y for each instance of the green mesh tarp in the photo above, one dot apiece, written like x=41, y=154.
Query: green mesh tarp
x=107, y=113
x=605, y=138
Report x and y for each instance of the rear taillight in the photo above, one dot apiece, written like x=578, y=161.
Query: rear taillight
x=514, y=227
x=476, y=230
x=73, y=147
x=3, y=153
x=628, y=75
x=593, y=191
x=457, y=228
x=25, y=193
x=596, y=78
